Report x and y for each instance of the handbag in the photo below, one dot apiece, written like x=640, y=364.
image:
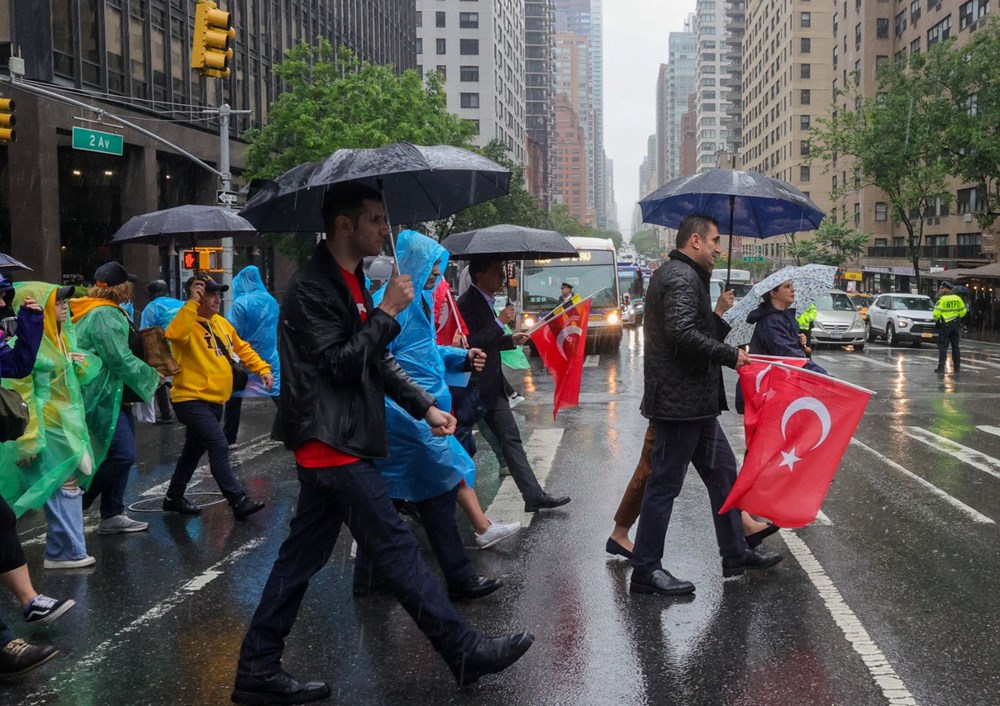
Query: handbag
x=14, y=415
x=241, y=376
x=156, y=351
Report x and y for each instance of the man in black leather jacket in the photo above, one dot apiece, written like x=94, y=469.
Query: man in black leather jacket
x=683, y=397
x=336, y=370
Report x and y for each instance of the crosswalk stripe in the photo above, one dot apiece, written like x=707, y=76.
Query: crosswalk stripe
x=954, y=502
x=965, y=365
x=984, y=362
x=591, y=361
x=879, y=362
x=541, y=450
x=995, y=431
x=254, y=448
x=976, y=459
x=822, y=519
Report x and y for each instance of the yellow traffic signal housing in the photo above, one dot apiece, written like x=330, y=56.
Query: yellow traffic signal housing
x=7, y=120
x=211, y=49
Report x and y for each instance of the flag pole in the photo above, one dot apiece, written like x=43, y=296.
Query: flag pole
x=548, y=317
x=770, y=361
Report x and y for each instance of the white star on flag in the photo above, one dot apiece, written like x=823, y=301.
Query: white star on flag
x=789, y=459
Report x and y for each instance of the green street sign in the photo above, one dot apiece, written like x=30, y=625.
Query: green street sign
x=753, y=258
x=96, y=141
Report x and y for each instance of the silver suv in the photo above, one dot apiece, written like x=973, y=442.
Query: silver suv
x=902, y=318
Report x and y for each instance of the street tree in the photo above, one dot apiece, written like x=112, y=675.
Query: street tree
x=892, y=142
x=647, y=242
x=834, y=243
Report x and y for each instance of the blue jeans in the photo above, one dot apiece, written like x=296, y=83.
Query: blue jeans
x=111, y=477
x=354, y=494
x=203, y=431
x=64, y=540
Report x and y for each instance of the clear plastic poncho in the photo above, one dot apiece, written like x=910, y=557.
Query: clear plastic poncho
x=56, y=444
x=421, y=465
x=254, y=315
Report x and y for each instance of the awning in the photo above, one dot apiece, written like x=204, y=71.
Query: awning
x=991, y=271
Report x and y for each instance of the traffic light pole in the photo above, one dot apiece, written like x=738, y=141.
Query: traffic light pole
x=225, y=181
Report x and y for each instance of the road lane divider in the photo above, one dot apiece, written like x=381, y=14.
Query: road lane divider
x=976, y=459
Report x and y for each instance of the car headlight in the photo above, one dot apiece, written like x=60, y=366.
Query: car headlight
x=528, y=322
x=613, y=318
x=904, y=323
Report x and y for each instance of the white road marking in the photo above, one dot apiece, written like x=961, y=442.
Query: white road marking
x=965, y=365
x=591, y=361
x=83, y=665
x=822, y=519
x=976, y=459
x=995, y=431
x=541, y=450
x=954, y=502
x=879, y=362
x=986, y=363
x=875, y=661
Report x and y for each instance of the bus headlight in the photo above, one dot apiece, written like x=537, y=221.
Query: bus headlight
x=614, y=318
x=528, y=322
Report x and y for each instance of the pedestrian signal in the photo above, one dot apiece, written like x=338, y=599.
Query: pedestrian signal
x=189, y=259
x=211, y=49
x=7, y=120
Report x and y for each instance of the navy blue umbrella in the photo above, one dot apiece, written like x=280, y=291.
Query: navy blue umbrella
x=749, y=203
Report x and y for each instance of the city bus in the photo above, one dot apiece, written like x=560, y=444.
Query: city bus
x=594, y=272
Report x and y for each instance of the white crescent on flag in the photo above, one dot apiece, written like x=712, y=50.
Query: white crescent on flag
x=567, y=331
x=813, y=405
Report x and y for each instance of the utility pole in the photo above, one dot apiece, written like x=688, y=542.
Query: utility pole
x=225, y=184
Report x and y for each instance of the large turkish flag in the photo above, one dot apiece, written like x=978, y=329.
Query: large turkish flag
x=561, y=342
x=804, y=422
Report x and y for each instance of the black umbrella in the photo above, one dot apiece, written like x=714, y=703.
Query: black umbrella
x=509, y=243
x=752, y=204
x=191, y=222
x=417, y=184
x=9, y=264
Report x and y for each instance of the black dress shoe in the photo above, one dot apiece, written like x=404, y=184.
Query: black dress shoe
x=754, y=540
x=181, y=505
x=660, y=582
x=613, y=547
x=280, y=688
x=18, y=657
x=545, y=502
x=244, y=507
x=752, y=559
x=491, y=655
x=475, y=588
x=939, y=369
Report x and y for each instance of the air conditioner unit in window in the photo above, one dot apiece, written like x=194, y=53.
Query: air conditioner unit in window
x=968, y=218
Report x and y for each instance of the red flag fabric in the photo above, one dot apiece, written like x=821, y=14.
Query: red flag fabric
x=750, y=385
x=561, y=343
x=805, y=421
x=447, y=320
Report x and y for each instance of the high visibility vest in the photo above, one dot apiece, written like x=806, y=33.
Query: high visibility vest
x=949, y=308
x=806, y=318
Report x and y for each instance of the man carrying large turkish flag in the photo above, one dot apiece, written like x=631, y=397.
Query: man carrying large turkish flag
x=561, y=342
x=804, y=422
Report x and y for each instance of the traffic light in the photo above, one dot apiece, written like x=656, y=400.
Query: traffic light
x=211, y=49
x=208, y=259
x=7, y=120
x=189, y=259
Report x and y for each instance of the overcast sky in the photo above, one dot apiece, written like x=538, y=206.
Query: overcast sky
x=635, y=44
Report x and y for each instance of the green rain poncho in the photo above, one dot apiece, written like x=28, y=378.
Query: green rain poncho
x=56, y=444
x=102, y=329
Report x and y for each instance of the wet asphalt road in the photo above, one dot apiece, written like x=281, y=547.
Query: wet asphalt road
x=889, y=598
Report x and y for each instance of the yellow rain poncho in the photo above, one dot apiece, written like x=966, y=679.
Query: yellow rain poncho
x=56, y=444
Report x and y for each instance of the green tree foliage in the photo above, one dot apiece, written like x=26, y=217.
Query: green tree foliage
x=833, y=244
x=647, y=242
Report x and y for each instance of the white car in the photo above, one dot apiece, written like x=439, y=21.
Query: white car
x=837, y=321
x=902, y=318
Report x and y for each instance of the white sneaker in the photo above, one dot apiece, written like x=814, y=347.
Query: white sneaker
x=69, y=563
x=515, y=399
x=497, y=531
x=121, y=523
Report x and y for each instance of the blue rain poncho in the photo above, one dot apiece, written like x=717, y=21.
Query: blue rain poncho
x=160, y=312
x=421, y=465
x=254, y=315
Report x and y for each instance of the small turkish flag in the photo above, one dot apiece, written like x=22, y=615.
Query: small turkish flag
x=561, y=343
x=804, y=422
x=447, y=320
x=750, y=385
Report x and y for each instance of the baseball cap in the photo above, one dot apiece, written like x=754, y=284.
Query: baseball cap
x=65, y=292
x=111, y=274
x=210, y=284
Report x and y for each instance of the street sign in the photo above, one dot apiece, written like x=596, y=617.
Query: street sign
x=96, y=141
x=753, y=258
x=226, y=198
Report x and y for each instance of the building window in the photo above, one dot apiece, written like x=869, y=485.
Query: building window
x=469, y=73
x=441, y=45
x=805, y=96
x=857, y=36
x=420, y=19
x=804, y=172
x=470, y=100
x=882, y=28
x=805, y=45
x=857, y=214
x=468, y=20
x=804, y=148
x=881, y=211
x=420, y=45
x=805, y=19
x=836, y=55
x=442, y=71
x=971, y=200
x=805, y=71
x=805, y=122
x=939, y=32
x=440, y=19
x=900, y=23
x=469, y=47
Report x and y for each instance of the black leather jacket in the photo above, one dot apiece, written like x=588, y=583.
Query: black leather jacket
x=335, y=370
x=683, y=348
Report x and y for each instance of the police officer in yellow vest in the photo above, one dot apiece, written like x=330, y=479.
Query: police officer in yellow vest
x=806, y=319
x=949, y=310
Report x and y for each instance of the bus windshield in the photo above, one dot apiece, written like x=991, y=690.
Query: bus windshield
x=593, y=273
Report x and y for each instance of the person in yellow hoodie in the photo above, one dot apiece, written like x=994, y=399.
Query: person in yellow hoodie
x=204, y=344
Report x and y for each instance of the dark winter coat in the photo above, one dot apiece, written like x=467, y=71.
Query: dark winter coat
x=777, y=333
x=684, y=352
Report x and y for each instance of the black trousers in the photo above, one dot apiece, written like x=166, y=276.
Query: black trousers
x=949, y=335
x=11, y=555
x=163, y=403
x=438, y=517
x=702, y=444
x=354, y=495
x=203, y=432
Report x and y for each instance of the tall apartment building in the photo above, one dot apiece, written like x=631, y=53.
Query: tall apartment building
x=865, y=36
x=682, y=52
x=133, y=60
x=539, y=121
x=661, y=166
x=787, y=85
x=732, y=81
x=479, y=49
x=712, y=68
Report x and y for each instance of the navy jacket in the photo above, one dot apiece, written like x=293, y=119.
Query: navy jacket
x=17, y=362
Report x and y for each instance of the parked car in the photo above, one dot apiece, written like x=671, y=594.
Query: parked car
x=632, y=314
x=837, y=322
x=902, y=318
x=861, y=302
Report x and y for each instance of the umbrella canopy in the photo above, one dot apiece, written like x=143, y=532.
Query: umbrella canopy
x=509, y=243
x=9, y=264
x=192, y=222
x=417, y=184
x=960, y=289
x=748, y=204
x=810, y=281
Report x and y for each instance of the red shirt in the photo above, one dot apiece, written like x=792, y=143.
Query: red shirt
x=314, y=453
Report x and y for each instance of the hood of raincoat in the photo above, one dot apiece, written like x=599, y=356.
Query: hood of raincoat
x=254, y=314
x=765, y=309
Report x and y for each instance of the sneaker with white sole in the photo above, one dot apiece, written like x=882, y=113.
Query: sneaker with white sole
x=121, y=523
x=42, y=609
x=496, y=532
x=69, y=563
x=515, y=399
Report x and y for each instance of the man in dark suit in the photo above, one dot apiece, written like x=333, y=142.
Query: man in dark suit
x=486, y=333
